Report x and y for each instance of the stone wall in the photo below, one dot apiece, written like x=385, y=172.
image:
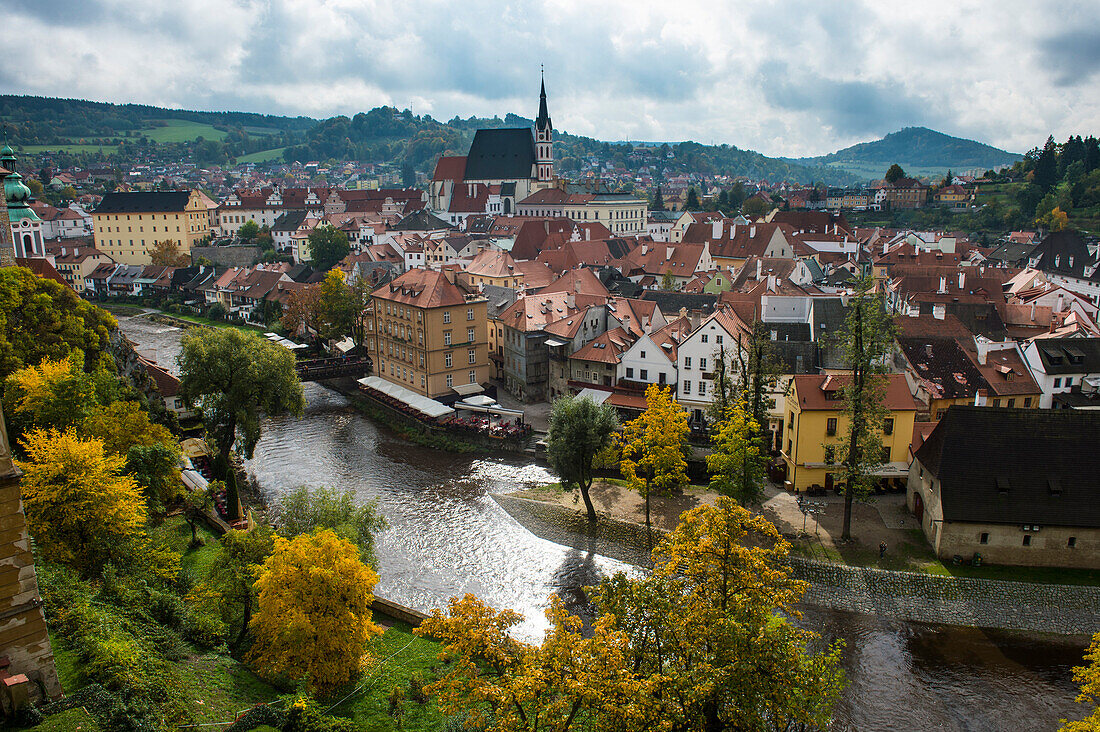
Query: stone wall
x=908, y=596
x=228, y=256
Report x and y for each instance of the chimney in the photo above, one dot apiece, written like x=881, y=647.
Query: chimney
x=1058, y=308
x=981, y=397
x=571, y=300
x=645, y=248
x=962, y=280
x=943, y=285
x=939, y=311
x=771, y=283
x=669, y=251
x=695, y=319
x=716, y=229
x=759, y=267
x=752, y=232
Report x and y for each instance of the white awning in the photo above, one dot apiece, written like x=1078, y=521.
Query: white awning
x=424, y=405
x=892, y=470
x=480, y=400
x=494, y=408
x=468, y=389
x=599, y=397
x=193, y=479
x=345, y=345
x=554, y=342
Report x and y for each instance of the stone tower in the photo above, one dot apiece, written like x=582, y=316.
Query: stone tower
x=544, y=142
x=24, y=641
x=7, y=251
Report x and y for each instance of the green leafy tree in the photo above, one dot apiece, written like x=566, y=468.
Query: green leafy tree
x=233, y=575
x=327, y=246
x=248, y=231
x=658, y=200
x=655, y=447
x=156, y=469
x=668, y=281
x=237, y=378
x=866, y=338
x=737, y=463
x=579, y=430
x=894, y=173
x=41, y=318
x=692, y=202
x=754, y=207
x=303, y=511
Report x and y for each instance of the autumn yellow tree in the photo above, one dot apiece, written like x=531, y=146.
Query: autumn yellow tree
x=55, y=394
x=313, y=616
x=1088, y=677
x=80, y=509
x=570, y=681
x=167, y=254
x=654, y=446
x=737, y=463
x=708, y=629
x=124, y=424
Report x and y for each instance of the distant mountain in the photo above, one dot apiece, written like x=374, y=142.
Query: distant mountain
x=919, y=150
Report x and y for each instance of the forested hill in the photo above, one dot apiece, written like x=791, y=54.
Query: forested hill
x=121, y=133
x=916, y=148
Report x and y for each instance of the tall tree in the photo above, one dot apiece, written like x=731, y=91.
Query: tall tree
x=692, y=202
x=894, y=173
x=654, y=447
x=737, y=463
x=866, y=338
x=55, y=394
x=668, y=281
x=236, y=378
x=248, y=231
x=658, y=200
x=708, y=629
x=579, y=429
x=573, y=681
x=313, y=611
x=303, y=310
x=233, y=575
x=41, y=318
x=327, y=246
x=336, y=313
x=754, y=207
x=167, y=254
x=1045, y=170
x=81, y=510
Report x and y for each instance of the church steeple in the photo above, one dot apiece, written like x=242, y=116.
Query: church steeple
x=544, y=140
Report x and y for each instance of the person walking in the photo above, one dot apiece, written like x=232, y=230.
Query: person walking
x=882, y=550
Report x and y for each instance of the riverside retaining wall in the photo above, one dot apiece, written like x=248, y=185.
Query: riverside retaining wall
x=908, y=596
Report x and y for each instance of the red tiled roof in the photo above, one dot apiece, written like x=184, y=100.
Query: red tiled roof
x=811, y=390
x=422, y=288
x=450, y=167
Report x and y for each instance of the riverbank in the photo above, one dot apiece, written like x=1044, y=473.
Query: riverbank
x=1064, y=609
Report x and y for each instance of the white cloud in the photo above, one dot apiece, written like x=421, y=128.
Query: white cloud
x=793, y=78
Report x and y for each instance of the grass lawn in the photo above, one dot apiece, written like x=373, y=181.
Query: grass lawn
x=181, y=130
x=401, y=657
x=199, y=320
x=35, y=149
x=73, y=720
x=262, y=156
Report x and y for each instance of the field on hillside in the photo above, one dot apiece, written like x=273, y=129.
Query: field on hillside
x=181, y=130
x=262, y=156
x=75, y=148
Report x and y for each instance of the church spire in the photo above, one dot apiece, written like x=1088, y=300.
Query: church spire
x=542, y=122
x=544, y=140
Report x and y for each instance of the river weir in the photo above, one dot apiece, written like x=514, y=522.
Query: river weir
x=448, y=536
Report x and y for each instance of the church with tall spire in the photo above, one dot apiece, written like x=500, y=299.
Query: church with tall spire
x=504, y=166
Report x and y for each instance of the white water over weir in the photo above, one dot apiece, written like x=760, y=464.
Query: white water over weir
x=448, y=536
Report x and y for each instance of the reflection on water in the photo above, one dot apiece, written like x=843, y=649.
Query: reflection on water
x=447, y=536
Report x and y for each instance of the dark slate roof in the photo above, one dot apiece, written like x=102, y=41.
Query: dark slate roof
x=289, y=221
x=1012, y=253
x=1016, y=466
x=501, y=154
x=143, y=202
x=1066, y=253
x=829, y=314
x=421, y=220
x=1069, y=355
x=670, y=303
x=797, y=357
x=942, y=361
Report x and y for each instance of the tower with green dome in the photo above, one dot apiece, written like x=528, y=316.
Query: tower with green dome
x=25, y=225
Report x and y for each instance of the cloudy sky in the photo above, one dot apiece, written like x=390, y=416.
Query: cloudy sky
x=799, y=77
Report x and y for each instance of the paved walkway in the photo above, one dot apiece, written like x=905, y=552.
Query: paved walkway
x=537, y=415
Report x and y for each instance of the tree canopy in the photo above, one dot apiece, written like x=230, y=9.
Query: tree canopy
x=313, y=616
x=894, y=173
x=303, y=511
x=1088, y=678
x=167, y=254
x=579, y=429
x=327, y=246
x=41, y=318
x=236, y=378
x=654, y=446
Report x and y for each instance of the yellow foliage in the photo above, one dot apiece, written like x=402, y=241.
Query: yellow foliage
x=122, y=425
x=1088, y=676
x=54, y=393
x=568, y=680
x=653, y=446
x=313, y=616
x=80, y=509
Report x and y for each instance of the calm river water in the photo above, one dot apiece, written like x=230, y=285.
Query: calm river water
x=447, y=536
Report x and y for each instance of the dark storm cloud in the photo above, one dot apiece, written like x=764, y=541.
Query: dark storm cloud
x=1073, y=55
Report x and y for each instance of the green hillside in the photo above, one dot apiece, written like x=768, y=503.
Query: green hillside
x=919, y=150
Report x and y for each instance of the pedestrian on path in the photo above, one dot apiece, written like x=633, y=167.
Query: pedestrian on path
x=882, y=550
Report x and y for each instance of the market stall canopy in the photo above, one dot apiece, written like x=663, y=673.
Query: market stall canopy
x=424, y=405
x=468, y=389
x=599, y=397
x=194, y=447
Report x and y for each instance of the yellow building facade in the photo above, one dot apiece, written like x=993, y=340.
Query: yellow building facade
x=815, y=428
x=425, y=334
x=128, y=225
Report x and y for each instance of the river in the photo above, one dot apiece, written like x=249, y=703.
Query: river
x=447, y=536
